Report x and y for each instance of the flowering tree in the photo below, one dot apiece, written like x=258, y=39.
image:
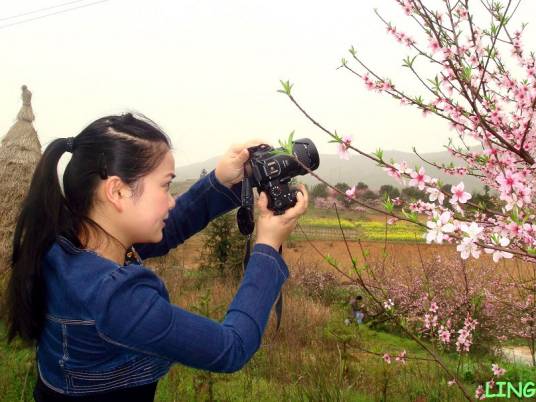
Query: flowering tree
x=483, y=84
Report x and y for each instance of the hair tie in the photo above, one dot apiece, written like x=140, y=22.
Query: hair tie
x=69, y=144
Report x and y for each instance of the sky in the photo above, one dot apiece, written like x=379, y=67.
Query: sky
x=208, y=71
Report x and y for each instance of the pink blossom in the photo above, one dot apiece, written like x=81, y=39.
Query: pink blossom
x=409, y=41
x=497, y=371
x=462, y=12
x=496, y=117
x=468, y=247
x=387, y=86
x=523, y=196
x=419, y=178
x=401, y=358
x=342, y=148
x=439, y=225
x=521, y=94
x=398, y=201
x=393, y=172
x=444, y=335
x=507, y=82
x=464, y=341
x=447, y=52
x=435, y=194
x=396, y=170
x=498, y=254
x=387, y=358
x=368, y=82
x=434, y=45
x=408, y=7
x=479, y=393
x=458, y=195
x=350, y=192
x=472, y=231
x=392, y=220
x=509, y=181
x=430, y=321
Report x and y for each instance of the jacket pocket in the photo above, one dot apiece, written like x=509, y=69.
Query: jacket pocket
x=144, y=369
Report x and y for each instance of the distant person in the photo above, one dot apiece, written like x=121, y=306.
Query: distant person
x=357, y=308
x=102, y=323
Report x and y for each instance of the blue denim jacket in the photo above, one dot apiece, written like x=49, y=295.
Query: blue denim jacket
x=110, y=326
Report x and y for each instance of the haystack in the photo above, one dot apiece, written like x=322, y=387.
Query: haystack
x=20, y=151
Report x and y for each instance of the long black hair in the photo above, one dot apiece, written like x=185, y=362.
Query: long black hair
x=125, y=146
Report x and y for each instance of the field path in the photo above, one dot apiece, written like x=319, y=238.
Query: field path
x=518, y=354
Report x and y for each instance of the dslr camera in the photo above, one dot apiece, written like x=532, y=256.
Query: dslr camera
x=272, y=173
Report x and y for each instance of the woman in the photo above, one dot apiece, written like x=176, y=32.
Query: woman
x=102, y=323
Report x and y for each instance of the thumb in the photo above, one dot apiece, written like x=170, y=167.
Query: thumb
x=244, y=155
x=262, y=203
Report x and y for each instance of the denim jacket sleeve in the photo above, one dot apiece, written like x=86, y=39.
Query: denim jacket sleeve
x=205, y=200
x=133, y=311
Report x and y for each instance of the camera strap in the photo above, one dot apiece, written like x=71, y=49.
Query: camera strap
x=246, y=224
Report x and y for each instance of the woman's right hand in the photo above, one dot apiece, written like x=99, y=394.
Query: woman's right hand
x=274, y=229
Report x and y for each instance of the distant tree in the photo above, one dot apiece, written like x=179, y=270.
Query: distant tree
x=370, y=195
x=342, y=198
x=203, y=173
x=361, y=187
x=412, y=193
x=484, y=200
x=389, y=190
x=319, y=190
x=342, y=186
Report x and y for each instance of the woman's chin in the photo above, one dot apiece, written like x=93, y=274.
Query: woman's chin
x=160, y=235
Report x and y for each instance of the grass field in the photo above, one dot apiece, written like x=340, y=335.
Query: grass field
x=313, y=357
x=324, y=224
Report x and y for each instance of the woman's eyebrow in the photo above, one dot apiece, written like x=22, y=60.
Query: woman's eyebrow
x=172, y=175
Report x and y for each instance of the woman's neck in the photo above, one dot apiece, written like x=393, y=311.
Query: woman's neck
x=109, y=248
x=116, y=254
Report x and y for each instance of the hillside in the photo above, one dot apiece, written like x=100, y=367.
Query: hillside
x=358, y=168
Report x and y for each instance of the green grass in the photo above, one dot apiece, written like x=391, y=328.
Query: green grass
x=17, y=370
x=326, y=362
x=346, y=375
x=370, y=230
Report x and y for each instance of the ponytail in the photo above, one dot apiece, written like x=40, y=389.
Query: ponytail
x=42, y=215
x=125, y=146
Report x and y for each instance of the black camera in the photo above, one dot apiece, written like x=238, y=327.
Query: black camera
x=272, y=173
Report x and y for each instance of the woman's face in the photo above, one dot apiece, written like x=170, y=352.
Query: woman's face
x=144, y=219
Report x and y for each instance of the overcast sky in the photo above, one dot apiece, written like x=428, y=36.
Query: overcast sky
x=208, y=70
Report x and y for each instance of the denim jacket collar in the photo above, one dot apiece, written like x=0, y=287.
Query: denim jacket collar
x=131, y=255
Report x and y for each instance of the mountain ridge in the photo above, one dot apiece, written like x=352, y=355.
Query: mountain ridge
x=358, y=169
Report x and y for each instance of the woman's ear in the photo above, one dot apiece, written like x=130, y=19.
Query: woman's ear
x=116, y=192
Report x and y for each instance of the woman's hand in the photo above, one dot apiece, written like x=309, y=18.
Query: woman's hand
x=275, y=229
x=230, y=168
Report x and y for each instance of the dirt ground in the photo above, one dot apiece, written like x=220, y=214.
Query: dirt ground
x=309, y=254
x=518, y=354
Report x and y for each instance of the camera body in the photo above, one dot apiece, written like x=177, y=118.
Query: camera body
x=272, y=173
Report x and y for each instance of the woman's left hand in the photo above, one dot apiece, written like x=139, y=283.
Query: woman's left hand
x=230, y=168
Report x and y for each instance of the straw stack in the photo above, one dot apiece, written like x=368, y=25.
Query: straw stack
x=20, y=151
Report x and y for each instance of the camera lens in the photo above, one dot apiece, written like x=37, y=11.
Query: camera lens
x=306, y=152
